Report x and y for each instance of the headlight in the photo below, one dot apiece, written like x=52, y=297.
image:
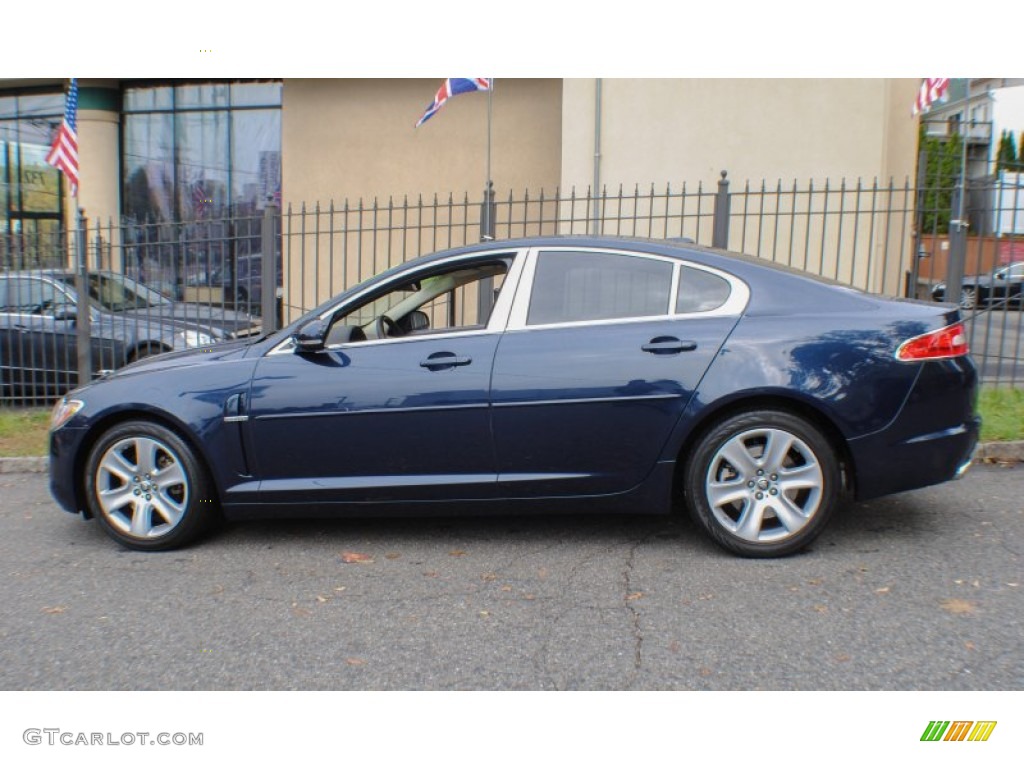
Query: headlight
x=194, y=339
x=64, y=410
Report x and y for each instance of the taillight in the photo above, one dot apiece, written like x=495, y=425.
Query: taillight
x=947, y=342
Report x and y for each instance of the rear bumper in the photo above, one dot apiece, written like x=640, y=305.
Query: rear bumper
x=932, y=439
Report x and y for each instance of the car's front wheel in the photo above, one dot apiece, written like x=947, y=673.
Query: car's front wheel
x=969, y=298
x=763, y=483
x=146, y=487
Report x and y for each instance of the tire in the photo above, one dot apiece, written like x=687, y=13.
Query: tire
x=969, y=298
x=762, y=483
x=146, y=487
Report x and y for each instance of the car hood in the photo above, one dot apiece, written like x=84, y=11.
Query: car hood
x=226, y=350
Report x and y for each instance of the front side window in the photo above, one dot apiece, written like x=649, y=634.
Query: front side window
x=449, y=300
x=577, y=286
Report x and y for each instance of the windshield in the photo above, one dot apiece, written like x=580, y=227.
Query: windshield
x=117, y=293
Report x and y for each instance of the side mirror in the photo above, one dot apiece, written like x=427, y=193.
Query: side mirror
x=310, y=337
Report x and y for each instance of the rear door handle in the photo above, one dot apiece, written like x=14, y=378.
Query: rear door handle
x=668, y=345
x=440, y=360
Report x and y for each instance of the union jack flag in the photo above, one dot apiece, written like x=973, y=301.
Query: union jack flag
x=453, y=86
x=932, y=89
x=63, y=154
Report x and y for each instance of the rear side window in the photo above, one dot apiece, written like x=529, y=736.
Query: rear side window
x=572, y=286
x=700, y=291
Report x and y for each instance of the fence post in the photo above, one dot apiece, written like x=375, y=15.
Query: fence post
x=720, y=227
x=83, y=332
x=487, y=211
x=957, y=244
x=268, y=269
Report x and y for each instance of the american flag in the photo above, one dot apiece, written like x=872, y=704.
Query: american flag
x=63, y=154
x=453, y=86
x=932, y=90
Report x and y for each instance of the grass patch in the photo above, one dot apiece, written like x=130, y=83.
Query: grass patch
x=1002, y=413
x=23, y=431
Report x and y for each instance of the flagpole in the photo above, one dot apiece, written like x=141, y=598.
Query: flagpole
x=488, y=209
x=490, y=112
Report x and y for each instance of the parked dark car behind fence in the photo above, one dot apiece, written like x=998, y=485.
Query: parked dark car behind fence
x=39, y=312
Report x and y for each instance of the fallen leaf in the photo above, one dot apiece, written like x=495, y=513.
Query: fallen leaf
x=485, y=614
x=814, y=582
x=542, y=573
x=969, y=645
x=353, y=661
x=340, y=589
x=821, y=608
x=634, y=595
x=489, y=576
x=957, y=606
x=297, y=611
x=322, y=598
x=882, y=590
x=217, y=589
x=392, y=555
x=529, y=597
x=55, y=609
x=506, y=588
x=842, y=657
x=705, y=672
x=356, y=557
x=430, y=574
x=457, y=553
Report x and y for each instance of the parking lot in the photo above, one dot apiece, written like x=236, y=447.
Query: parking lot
x=915, y=592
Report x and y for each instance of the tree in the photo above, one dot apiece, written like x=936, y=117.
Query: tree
x=943, y=159
x=1006, y=155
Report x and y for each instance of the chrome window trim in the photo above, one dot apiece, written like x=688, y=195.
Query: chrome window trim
x=739, y=293
x=496, y=324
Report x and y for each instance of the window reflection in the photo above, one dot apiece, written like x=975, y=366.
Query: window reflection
x=201, y=151
x=30, y=190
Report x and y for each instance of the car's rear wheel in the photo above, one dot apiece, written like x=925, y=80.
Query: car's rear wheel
x=146, y=487
x=762, y=483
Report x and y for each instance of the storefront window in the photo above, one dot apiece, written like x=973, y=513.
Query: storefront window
x=30, y=190
x=201, y=151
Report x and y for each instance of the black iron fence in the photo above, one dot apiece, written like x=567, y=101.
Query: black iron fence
x=157, y=286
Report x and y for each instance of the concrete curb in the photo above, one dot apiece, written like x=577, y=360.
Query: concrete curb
x=1011, y=451
x=10, y=465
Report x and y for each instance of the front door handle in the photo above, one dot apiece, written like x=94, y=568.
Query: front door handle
x=441, y=360
x=668, y=345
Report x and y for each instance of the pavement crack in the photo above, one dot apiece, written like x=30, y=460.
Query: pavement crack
x=630, y=603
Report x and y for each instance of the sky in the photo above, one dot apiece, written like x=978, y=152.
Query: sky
x=1008, y=113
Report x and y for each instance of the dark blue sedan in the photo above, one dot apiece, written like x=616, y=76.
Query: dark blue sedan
x=548, y=375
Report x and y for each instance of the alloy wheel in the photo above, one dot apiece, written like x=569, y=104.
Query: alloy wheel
x=764, y=485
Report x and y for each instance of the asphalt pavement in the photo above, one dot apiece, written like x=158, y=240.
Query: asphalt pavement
x=920, y=591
